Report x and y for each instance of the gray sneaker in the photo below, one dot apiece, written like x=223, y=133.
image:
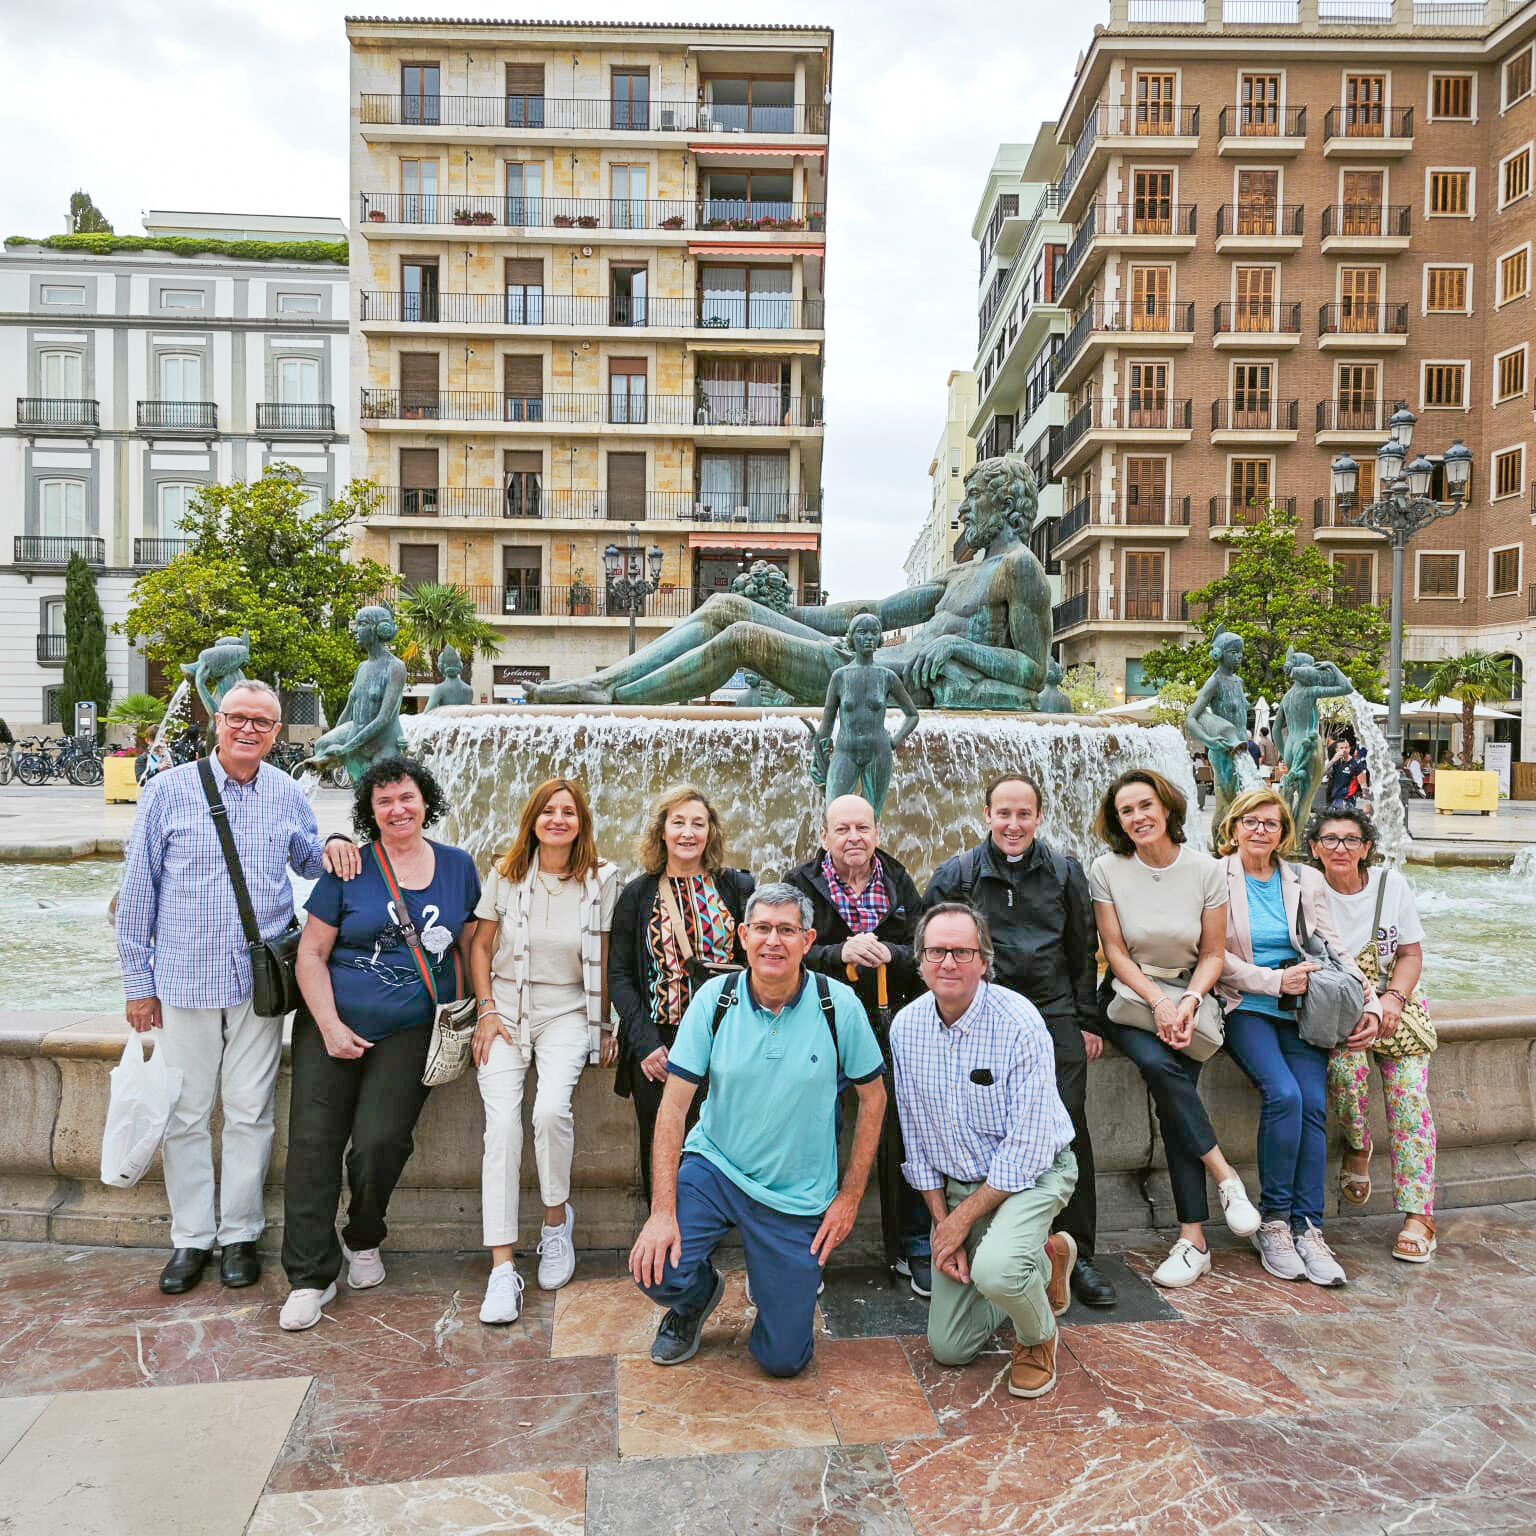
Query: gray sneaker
x=1277, y=1251
x=1317, y=1257
x=678, y=1337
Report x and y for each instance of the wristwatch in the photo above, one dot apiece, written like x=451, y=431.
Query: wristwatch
x=1199, y=997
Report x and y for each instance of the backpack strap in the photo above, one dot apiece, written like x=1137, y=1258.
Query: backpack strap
x=724, y=1003
x=828, y=1009
x=970, y=867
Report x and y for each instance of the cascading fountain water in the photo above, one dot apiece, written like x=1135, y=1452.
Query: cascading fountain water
x=752, y=764
x=1388, y=811
x=176, y=713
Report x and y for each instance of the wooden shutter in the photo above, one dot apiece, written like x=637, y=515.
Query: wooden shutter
x=1150, y=310
x=1365, y=99
x=1258, y=193
x=1360, y=298
x=418, y=564
x=1255, y=299
x=1362, y=203
x=1143, y=597
x=418, y=469
x=1261, y=104
x=1146, y=487
x=418, y=383
x=524, y=376
x=1354, y=570
x=626, y=486
x=525, y=79
x=1152, y=211
x=525, y=272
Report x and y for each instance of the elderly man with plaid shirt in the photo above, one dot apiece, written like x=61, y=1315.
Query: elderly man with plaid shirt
x=989, y=1147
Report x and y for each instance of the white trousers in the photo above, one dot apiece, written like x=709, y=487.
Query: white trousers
x=236, y=1052
x=559, y=1052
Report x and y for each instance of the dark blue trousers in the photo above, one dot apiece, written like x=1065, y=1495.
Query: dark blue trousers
x=1292, y=1079
x=783, y=1270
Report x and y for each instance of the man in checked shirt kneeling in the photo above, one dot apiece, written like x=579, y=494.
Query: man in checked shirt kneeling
x=989, y=1148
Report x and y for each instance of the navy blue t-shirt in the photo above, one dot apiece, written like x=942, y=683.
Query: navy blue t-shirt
x=374, y=976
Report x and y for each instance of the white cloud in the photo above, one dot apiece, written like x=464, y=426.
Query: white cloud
x=212, y=104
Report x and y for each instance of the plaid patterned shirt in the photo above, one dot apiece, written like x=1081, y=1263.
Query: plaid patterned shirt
x=1006, y=1129
x=178, y=929
x=865, y=912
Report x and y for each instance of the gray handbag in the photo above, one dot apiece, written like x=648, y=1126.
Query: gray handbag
x=1328, y=1011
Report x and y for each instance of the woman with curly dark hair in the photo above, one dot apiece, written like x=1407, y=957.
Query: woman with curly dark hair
x=377, y=956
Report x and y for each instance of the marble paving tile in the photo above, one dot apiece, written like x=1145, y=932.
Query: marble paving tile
x=720, y=1401
x=1237, y=1287
x=974, y=1399
x=116, y=1462
x=826, y=1491
x=1131, y=1481
x=1364, y=1462
x=1479, y=1515
x=520, y=1504
x=17, y=1416
x=615, y=1317
x=1139, y=1300
x=405, y=1424
x=871, y=1392
x=1152, y=1371
x=868, y=1301
x=1461, y=1276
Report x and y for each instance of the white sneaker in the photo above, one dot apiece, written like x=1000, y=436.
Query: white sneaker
x=365, y=1269
x=1277, y=1251
x=503, y=1295
x=1184, y=1265
x=1240, y=1213
x=1318, y=1260
x=557, y=1254
x=303, y=1308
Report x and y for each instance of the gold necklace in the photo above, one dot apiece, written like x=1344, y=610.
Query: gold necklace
x=550, y=891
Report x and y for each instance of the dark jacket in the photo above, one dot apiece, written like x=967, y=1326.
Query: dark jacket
x=1044, y=938
x=631, y=969
x=895, y=932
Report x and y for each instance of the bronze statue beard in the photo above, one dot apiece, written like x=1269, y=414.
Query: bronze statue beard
x=982, y=531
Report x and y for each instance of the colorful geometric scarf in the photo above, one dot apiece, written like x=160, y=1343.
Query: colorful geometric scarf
x=711, y=932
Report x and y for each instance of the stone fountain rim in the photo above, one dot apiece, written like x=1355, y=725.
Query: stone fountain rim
x=730, y=713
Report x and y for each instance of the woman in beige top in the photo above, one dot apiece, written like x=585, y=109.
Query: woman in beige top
x=539, y=960
x=1162, y=911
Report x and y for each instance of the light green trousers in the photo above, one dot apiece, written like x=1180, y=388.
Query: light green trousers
x=1009, y=1269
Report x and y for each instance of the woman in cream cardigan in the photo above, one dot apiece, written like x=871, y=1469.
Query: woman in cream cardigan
x=1262, y=981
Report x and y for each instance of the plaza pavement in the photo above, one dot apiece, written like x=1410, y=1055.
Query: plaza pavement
x=1241, y=1407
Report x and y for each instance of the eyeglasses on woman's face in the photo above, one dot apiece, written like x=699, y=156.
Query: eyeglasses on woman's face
x=1260, y=824
x=1336, y=840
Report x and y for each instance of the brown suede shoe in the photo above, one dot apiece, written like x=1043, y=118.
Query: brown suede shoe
x=1061, y=1255
x=1033, y=1373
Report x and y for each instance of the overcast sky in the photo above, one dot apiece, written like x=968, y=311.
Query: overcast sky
x=232, y=105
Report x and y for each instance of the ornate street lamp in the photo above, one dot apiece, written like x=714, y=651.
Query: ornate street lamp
x=1401, y=510
x=628, y=584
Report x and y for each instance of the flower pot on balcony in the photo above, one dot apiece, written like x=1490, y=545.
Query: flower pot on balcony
x=587, y=221
x=484, y=218
x=674, y=222
x=376, y=217
x=463, y=216
x=563, y=221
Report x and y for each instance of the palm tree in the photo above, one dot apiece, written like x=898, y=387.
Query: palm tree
x=1472, y=678
x=435, y=614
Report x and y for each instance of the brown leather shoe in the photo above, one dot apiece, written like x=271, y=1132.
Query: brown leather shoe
x=1061, y=1255
x=1034, y=1369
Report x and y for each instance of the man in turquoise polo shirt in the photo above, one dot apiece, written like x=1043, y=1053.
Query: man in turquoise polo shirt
x=763, y=1157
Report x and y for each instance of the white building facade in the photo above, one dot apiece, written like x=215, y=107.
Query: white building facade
x=954, y=456
x=129, y=380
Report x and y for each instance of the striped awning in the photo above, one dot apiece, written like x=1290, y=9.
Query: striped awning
x=756, y=250
x=745, y=538
x=728, y=147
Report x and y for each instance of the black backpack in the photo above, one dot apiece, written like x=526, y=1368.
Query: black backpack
x=970, y=871
x=727, y=1000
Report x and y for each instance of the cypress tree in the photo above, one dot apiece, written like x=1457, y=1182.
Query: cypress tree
x=85, y=659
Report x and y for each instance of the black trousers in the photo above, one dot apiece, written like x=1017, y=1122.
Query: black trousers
x=1080, y=1214
x=1173, y=1080
x=647, y=1098
x=372, y=1102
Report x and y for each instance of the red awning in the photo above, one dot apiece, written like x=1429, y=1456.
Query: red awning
x=716, y=147
x=746, y=539
x=756, y=250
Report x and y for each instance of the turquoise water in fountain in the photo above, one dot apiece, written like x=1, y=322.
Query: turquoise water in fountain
x=58, y=950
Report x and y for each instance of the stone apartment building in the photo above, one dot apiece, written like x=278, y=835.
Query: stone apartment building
x=1282, y=218
x=954, y=455
x=588, y=315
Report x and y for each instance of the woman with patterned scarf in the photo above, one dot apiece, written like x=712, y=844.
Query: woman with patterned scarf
x=674, y=927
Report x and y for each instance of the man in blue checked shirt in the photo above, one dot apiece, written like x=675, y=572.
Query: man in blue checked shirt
x=989, y=1147
x=187, y=972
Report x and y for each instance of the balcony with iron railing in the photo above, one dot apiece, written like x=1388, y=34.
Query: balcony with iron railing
x=520, y=500
x=533, y=309
x=524, y=113
x=1366, y=227
x=58, y=415
x=1153, y=227
x=1260, y=128
x=1328, y=516
x=1251, y=418
x=52, y=650
x=443, y=210
x=1130, y=605
x=1006, y=207
x=1259, y=226
x=991, y=302
x=517, y=599
x=1150, y=126
x=1352, y=419
x=1367, y=129
x=593, y=409
x=149, y=554
x=1370, y=18
x=1362, y=322
x=179, y=418
x=1126, y=512
x=1245, y=322
x=1246, y=511
x=56, y=549
x=1041, y=456
x=1129, y=417
x=296, y=420
x=1118, y=323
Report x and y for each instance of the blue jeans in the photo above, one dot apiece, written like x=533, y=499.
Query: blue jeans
x=783, y=1271
x=1292, y=1079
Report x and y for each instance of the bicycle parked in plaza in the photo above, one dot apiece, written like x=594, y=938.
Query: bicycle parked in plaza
x=42, y=758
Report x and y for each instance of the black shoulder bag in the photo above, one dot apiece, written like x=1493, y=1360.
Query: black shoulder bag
x=274, y=986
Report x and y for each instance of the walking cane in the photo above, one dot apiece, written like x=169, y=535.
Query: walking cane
x=888, y=1175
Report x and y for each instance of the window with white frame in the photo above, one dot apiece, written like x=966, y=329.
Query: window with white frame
x=298, y=380
x=1452, y=98
x=173, y=500
x=61, y=508
x=1504, y=570
x=181, y=376
x=1515, y=274
x=60, y=375
x=298, y=303
x=1515, y=177
x=1448, y=290
x=1443, y=386
x=1509, y=374
x=62, y=293
x=1449, y=192
x=1439, y=573
x=1508, y=472
x=1517, y=78
x=181, y=298
x=53, y=617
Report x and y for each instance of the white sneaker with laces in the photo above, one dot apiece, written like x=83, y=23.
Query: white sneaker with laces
x=365, y=1269
x=1277, y=1251
x=303, y=1308
x=1317, y=1258
x=1184, y=1265
x=503, y=1295
x=1239, y=1212
x=557, y=1254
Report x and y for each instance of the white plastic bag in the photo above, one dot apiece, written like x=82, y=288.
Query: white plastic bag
x=144, y=1093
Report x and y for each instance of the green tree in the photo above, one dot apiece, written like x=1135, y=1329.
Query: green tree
x=436, y=614
x=85, y=656
x=258, y=561
x=1173, y=701
x=1473, y=678
x=143, y=711
x=1279, y=595
x=1087, y=687
x=85, y=218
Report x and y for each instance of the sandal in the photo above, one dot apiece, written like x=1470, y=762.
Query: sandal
x=1354, y=1187
x=1412, y=1246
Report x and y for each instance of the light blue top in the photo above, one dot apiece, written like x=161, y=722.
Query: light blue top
x=1273, y=947
x=769, y=1123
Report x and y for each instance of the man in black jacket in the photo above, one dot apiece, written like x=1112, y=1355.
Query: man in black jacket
x=866, y=907
x=1035, y=899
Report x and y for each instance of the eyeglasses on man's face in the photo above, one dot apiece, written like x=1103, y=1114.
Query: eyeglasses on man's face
x=263, y=725
x=1335, y=840
x=785, y=931
x=1258, y=824
x=935, y=954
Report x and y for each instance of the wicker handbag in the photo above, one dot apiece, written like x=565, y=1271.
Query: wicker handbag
x=1415, y=1033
